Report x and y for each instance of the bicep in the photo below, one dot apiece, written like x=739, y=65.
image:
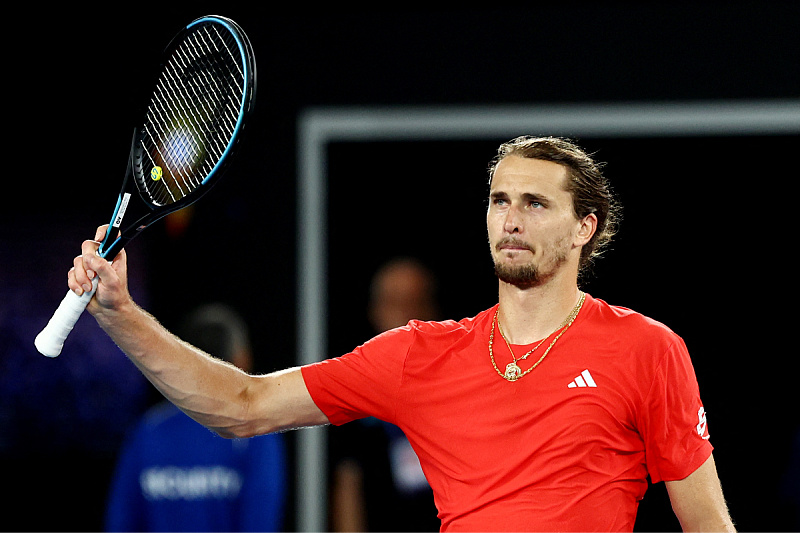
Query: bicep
x=282, y=402
x=698, y=501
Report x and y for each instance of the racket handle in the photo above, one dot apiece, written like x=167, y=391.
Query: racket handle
x=51, y=339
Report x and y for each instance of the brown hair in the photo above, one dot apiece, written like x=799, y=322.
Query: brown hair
x=591, y=191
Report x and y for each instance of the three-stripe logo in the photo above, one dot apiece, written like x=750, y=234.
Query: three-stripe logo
x=584, y=380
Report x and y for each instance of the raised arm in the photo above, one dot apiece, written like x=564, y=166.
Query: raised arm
x=698, y=501
x=215, y=393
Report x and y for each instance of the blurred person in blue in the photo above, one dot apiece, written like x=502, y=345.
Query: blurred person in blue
x=377, y=480
x=173, y=474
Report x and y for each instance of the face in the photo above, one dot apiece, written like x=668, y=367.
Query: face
x=533, y=231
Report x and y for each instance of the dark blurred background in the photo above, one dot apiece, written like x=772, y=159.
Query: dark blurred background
x=705, y=243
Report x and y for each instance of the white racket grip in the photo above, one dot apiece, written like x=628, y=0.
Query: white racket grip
x=51, y=339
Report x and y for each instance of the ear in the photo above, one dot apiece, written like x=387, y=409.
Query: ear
x=586, y=228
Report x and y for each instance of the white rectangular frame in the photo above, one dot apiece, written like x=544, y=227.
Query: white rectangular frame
x=318, y=127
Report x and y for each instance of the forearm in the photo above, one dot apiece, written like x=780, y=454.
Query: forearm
x=213, y=392
x=698, y=501
x=716, y=519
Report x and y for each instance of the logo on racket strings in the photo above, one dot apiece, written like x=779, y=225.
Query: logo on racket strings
x=156, y=173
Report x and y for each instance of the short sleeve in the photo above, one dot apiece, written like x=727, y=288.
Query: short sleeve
x=363, y=382
x=673, y=421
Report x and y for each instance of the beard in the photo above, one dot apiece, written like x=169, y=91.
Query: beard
x=531, y=274
x=519, y=275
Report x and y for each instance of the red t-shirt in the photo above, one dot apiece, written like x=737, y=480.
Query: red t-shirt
x=567, y=447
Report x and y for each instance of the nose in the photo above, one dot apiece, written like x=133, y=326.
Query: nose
x=513, y=221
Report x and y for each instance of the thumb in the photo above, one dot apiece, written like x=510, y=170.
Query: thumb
x=95, y=265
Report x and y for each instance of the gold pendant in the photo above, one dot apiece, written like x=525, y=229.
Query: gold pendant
x=512, y=372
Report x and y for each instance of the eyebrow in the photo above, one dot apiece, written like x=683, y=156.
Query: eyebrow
x=527, y=197
x=533, y=197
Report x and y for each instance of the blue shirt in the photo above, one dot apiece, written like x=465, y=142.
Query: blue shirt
x=173, y=474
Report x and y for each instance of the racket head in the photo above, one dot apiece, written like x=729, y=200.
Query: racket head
x=193, y=123
x=196, y=113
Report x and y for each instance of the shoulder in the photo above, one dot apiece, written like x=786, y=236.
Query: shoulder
x=628, y=331
x=420, y=333
x=416, y=336
x=452, y=327
x=626, y=320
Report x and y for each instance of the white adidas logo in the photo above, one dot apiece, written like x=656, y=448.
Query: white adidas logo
x=584, y=380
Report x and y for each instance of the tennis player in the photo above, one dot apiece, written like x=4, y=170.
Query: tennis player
x=546, y=412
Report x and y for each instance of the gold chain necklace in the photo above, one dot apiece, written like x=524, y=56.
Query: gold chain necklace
x=513, y=372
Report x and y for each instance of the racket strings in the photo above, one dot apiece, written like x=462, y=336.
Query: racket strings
x=193, y=114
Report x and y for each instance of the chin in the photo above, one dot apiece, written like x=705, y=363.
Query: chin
x=526, y=275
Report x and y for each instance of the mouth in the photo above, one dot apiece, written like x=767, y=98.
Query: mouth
x=513, y=245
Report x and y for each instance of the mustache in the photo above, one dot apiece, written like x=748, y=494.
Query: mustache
x=513, y=242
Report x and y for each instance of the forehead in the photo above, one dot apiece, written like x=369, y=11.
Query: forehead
x=524, y=173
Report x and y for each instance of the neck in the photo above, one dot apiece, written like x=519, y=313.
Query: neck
x=531, y=314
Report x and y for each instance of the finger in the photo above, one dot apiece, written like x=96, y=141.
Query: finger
x=84, y=274
x=110, y=278
x=97, y=266
x=89, y=247
x=78, y=279
x=73, y=283
x=100, y=234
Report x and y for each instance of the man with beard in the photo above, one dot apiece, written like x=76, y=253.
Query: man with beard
x=546, y=412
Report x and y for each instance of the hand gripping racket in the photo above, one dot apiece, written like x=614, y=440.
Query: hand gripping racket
x=203, y=95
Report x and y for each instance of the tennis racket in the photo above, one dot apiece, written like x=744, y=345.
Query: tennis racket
x=193, y=122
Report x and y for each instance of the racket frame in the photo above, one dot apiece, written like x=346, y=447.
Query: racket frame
x=111, y=243
x=50, y=340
